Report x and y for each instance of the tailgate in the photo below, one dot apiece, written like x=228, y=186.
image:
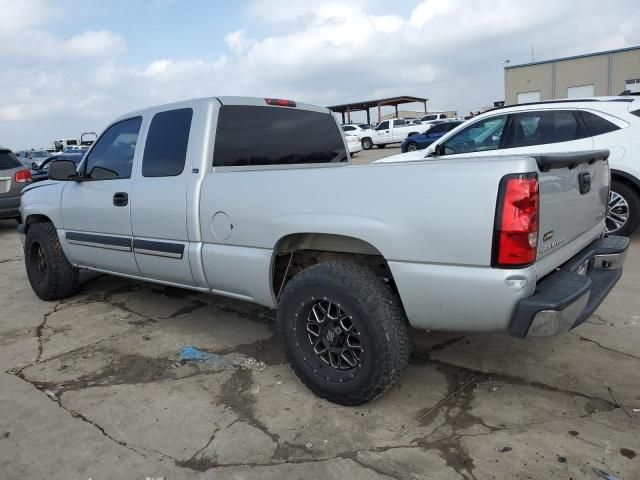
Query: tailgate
x=574, y=188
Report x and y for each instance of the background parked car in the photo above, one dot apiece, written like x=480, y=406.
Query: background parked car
x=42, y=173
x=423, y=140
x=31, y=158
x=559, y=126
x=353, y=143
x=432, y=116
x=13, y=178
x=363, y=131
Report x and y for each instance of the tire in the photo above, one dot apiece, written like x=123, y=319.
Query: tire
x=373, y=337
x=623, y=211
x=412, y=147
x=381, y=145
x=51, y=275
x=367, y=144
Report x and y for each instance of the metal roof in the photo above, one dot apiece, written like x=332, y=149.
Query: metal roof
x=606, y=52
x=366, y=104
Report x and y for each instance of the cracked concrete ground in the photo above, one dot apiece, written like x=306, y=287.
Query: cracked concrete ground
x=92, y=387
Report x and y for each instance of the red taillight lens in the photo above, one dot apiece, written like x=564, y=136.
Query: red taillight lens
x=280, y=102
x=515, y=237
x=23, y=176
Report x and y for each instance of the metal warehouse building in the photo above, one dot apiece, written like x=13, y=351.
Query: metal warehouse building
x=595, y=74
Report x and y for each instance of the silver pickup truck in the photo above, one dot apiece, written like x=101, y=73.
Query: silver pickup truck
x=256, y=199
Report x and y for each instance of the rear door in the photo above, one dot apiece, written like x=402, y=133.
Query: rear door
x=400, y=130
x=159, y=199
x=96, y=213
x=547, y=131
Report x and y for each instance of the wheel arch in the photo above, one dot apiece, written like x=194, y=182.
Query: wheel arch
x=627, y=178
x=36, y=218
x=298, y=251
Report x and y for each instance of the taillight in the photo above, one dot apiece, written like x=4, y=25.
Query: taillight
x=515, y=236
x=23, y=176
x=280, y=102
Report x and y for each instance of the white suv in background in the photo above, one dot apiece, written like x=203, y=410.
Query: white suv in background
x=557, y=126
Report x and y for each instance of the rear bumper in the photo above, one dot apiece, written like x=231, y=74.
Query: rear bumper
x=10, y=207
x=570, y=295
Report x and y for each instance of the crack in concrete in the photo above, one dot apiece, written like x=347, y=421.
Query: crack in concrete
x=40, y=329
x=9, y=260
x=608, y=349
x=142, y=451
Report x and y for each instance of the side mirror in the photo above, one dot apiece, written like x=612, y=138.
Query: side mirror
x=439, y=150
x=62, y=170
x=34, y=166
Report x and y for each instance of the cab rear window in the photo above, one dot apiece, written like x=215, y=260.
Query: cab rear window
x=249, y=135
x=8, y=160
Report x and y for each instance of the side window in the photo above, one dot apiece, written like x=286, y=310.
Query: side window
x=280, y=136
x=165, y=151
x=596, y=124
x=348, y=128
x=398, y=123
x=112, y=155
x=383, y=126
x=480, y=136
x=543, y=127
x=443, y=116
x=440, y=128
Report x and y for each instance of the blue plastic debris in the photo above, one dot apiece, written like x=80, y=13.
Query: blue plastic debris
x=193, y=354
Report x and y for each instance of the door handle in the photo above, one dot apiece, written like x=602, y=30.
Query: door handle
x=120, y=199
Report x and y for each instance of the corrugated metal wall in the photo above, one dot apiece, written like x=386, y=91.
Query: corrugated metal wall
x=607, y=72
x=624, y=66
x=528, y=79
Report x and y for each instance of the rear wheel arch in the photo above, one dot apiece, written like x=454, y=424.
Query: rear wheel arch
x=296, y=252
x=624, y=177
x=628, y=187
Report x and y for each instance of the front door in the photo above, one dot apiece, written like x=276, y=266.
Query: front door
x=96, y=211
x=383, y=133
x=482, y=137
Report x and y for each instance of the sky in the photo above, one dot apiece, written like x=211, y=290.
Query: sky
x=71, y=66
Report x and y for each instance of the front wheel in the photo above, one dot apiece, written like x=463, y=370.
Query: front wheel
x=623, y=209
x=412, y=147
x=344, y=332
x=51, y=275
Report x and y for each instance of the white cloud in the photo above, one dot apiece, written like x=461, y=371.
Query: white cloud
x=319, y=52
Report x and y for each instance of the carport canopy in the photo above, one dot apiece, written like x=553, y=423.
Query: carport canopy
x=379, y=103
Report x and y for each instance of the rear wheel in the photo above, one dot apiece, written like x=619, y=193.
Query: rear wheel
x=367, y=144
x=623, y=210
x=412, y=147
x=344, y=332
x=51, y=275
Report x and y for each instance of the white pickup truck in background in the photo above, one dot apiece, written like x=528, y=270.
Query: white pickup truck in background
x=394, y=131
x=349, y=255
